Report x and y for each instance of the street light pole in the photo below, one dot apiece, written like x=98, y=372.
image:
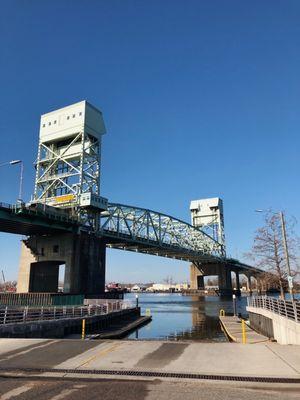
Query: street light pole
x=14, y=162
x=21, y=181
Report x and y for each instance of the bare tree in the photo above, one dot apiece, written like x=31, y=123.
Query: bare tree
x=268, y=251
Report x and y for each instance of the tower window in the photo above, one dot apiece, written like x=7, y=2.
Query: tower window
x=49, y=123
x=73, y=115
x=68, y=117
x=54, y=121
x=44, y=125
x=80, y=113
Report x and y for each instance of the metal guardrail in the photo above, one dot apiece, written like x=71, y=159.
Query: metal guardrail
x=284, y=308
x=20, y=315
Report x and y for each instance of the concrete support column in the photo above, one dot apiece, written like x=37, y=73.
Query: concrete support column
x=83, y=256
x=249, y=285
x=26, y=258
x=196, y=278
x=225, y=282
x=238, y=286
x=237, y=278
x=200, y=282
x=85, y=270
x=44, y=277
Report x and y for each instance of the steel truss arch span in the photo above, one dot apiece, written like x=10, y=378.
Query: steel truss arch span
x=146, y=231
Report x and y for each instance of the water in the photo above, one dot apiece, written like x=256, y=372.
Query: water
x=177, y=317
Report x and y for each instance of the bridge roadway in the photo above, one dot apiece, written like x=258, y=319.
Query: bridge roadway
x=124, y=228
x=132, y=229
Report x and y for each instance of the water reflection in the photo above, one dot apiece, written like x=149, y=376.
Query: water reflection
x=177, y=317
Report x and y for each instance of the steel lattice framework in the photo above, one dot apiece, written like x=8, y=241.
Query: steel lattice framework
x=146, y=231
x=65, y=170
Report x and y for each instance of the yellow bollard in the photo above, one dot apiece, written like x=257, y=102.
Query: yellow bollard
x=83, y=330
x=244, y=338
x=222, y=313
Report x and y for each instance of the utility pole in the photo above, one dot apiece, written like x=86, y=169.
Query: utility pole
x=286, y=253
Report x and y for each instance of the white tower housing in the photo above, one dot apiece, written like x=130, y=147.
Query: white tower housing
x=207, y=215
x=68, y=162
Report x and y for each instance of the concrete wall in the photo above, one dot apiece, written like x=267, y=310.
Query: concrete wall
x=262, y=324
x=61, y=327
x=286, y=331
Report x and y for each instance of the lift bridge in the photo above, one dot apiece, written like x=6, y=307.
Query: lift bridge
x=68, y=222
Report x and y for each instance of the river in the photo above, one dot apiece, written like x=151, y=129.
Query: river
x=177, y=317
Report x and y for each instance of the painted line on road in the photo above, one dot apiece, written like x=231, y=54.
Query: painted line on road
x=28, y=350
x=17, y=391
x=63, y=394
x=100, y=353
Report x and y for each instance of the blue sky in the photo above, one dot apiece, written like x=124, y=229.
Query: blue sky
x=200, y=99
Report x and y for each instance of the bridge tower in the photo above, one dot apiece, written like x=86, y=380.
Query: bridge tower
x=68, y=180
x=207, y=215
x=68, y=162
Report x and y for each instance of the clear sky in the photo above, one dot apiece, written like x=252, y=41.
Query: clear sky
x=200, y=99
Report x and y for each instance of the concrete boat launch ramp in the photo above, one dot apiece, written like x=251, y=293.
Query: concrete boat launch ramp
x=265, y=362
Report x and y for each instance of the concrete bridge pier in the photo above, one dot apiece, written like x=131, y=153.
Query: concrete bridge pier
x=197, y=274
x=82, y=254
x=196, y=277
x=237, y=290
x=249, y=284
x=225, y=282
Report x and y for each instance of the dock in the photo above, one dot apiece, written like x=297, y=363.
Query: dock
x=232, y=326
x=118, y=331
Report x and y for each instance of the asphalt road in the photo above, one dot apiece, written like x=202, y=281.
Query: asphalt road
x=106, y=389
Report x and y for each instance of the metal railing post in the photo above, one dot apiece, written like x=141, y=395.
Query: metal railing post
x=295, y=311
x=285, y=308
x=5, y=315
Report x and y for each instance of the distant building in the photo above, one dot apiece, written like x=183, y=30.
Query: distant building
x=166, y=287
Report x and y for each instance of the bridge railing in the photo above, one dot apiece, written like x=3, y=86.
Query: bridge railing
x=284, y=308
x=20, y=315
